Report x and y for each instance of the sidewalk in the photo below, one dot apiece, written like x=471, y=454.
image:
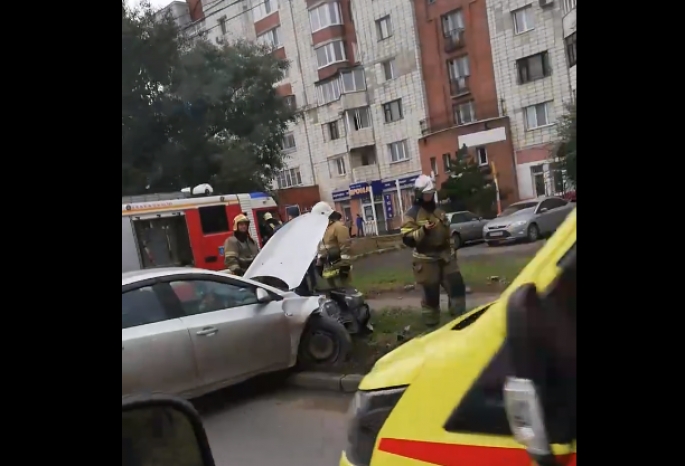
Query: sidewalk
x=413, y=300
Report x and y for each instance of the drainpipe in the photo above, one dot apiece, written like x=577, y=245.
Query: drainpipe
x=306, y=103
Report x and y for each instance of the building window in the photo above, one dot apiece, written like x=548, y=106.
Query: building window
x=524, y=19
x=353, y=80
x=446, y=162
x=264, y=8
x=434, y=165
x=570, y=42
x=537, y=173
x=533, y=67
x=459, y=71
x=340, y=168
x=222, y=25
x=459, y=67
x=324, y=16
x=290, y=102
x=333, y=52
x=389, y=69
x=333, y=131
x=272, y=37
x=329, y=91
x=568, y=5
x=482, y=155
x=452, y=23
x=464, y=113
x=359, y=118
x=537, y=115
x=398, y=151
x=288, y=178
x=393, y=111
x=384, y=27
x=288, y=142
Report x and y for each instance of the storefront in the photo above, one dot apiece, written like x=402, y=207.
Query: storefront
x=383, y=215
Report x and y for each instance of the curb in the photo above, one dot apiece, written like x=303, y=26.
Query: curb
x=347, y=383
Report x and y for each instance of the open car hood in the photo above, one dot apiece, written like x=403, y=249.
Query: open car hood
x=290, y=252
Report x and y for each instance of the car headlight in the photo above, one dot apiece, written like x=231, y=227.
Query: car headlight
x=518, y=223
x=330, y=308
x=368, y=412
x=354, y=301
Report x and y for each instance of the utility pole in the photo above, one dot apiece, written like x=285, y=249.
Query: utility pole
x=494, y=177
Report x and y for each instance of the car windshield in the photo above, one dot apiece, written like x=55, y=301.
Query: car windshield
x=512, y=209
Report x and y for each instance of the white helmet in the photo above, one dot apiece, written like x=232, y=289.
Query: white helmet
x=423, y=185
x=322, y=208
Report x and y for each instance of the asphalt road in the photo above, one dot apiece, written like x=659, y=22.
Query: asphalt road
x=402, y=257
x=265, y=423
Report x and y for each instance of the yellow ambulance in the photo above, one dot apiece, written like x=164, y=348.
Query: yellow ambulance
x=438, y=399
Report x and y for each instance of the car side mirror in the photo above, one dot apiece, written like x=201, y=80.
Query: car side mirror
x=480, y=218
x=263, y=296
x=162, y=429
x=543, y=210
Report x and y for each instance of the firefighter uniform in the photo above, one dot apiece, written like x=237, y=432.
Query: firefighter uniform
x=434, y=263
x=334, y=253
x=239, y=249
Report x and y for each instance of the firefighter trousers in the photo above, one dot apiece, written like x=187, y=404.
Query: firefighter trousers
x=430, y=276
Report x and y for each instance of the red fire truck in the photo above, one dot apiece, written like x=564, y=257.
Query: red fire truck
x=173, y=230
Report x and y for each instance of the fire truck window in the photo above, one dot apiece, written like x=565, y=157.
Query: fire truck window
x=213, y=219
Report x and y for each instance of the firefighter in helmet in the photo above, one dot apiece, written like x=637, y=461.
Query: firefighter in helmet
x=334, y=253
x=240, y=249
x=427, y=230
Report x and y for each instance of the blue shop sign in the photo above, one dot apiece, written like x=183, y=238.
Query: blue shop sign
x=363, y=189
x=406, y=182
x=387, y=202
x=341, y=195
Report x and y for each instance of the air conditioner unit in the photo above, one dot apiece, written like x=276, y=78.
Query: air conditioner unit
x=546, y=3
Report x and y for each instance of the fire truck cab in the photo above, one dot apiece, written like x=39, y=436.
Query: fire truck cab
x=177, y=230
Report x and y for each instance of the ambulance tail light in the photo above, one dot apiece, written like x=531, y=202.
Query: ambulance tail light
x=367, y=414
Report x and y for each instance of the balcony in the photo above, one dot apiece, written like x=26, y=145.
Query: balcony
x=352, y=100
x=360, y=138
x=365, y=173
x=459, y=86
x=363, y=163
x=454, y=40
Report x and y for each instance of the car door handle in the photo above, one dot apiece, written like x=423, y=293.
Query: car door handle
x=208, y=331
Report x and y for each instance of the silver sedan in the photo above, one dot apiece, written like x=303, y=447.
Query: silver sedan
x=188, y=331
x=527, y=220
x=465, y=227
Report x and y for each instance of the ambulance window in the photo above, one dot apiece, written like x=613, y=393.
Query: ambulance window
x=213, y=219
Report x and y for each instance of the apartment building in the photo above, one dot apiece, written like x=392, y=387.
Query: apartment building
x=534, y=55
x=460, y=92
x=355, y=76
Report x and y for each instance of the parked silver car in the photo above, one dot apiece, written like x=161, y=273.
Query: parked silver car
x=188, y=331
x=465, y=227
x=527, y=220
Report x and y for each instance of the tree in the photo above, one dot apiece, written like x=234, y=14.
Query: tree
x=566, y=147
x=469, y=186
x=195, y=113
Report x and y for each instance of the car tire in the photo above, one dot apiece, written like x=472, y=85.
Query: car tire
x=491, y=244
x=325, y=343
x=457, y=240
x=533, y=233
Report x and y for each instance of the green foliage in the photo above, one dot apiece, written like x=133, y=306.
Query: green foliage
x=195, y=113
x=566, y=149
x=469, y=187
